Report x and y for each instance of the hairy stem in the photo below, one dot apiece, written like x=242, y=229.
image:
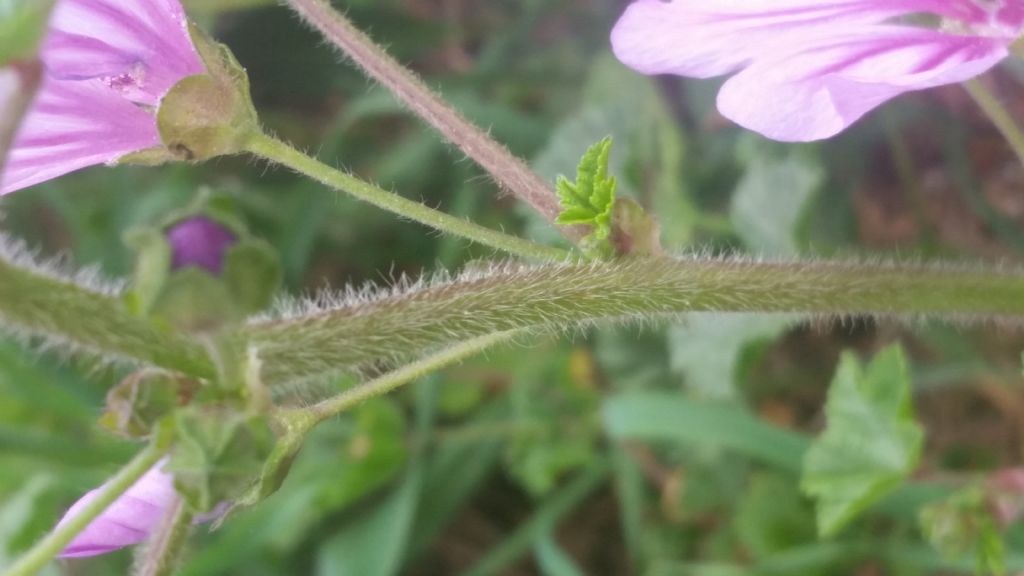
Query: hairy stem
x=407, y=322
x=405, y=375
x=162, y=553
x=47, y=549
x=507, y=170
x=276, y=151
x=57, y=308
x=998, y=115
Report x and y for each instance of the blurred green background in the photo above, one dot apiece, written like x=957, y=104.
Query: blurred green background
x=670, y=449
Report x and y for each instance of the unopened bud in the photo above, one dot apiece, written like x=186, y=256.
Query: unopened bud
x=201, y=242
x=212, y=114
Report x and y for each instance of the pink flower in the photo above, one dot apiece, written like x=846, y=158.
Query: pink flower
x=129, y=520
x=810, y=68
x=108, y=63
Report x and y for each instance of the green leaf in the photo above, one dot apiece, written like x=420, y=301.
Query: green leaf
x=769, y=201
x=589, y=201
x=373, y=543
x=554, y=405
x=552, y=559
x=706, y=349
x=372, y=455
x=18, y=514
x=666, y=417
x=771, y=517
x=871, y=442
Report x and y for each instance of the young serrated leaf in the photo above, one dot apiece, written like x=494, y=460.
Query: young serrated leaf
x=589, y=201
x=871, y=442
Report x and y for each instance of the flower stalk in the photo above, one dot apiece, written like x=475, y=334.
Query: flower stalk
x=279, y=152
x=161, y=555
x=49, y=547
x=510, y=172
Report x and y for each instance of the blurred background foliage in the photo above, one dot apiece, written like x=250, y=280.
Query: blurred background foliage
x=668, y=450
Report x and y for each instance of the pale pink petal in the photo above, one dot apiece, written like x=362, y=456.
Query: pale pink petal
x=816, y=93
x=140, y=47
x=704, y=38
x=129, y=520
x=72, y=125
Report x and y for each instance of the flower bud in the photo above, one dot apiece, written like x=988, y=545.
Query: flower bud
x=208, y=115
x=201, y=242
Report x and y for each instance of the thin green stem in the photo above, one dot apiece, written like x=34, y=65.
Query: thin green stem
x=47, y=549
x=507, y=170
x=45, y=305
x=404, y=375
x=162, y=553
x=277, y=151
x=218, y=6
x=999, y=116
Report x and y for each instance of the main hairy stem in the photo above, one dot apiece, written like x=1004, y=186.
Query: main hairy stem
x=998, y=115
x=409, y=322
x=49, y=547
x=277, y=151
x=507, y=170
x=57, y=308
x=162, y=553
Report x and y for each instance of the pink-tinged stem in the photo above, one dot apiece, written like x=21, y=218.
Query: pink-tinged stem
x=50, y=546
x=507, y=170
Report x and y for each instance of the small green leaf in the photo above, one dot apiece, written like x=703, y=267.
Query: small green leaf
x=253, y=274
x=589, y=201
x=871, y=442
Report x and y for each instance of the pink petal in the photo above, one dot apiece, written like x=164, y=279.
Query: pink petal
x=72, y=125
x=129, y=520
x=140, y=47
x=816, y=93
x=704, y=38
